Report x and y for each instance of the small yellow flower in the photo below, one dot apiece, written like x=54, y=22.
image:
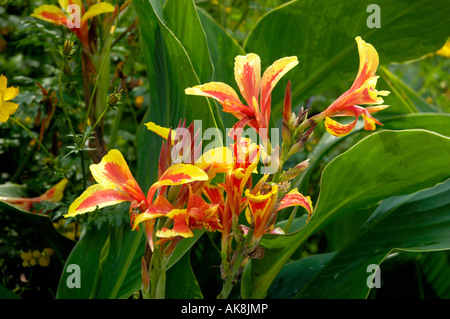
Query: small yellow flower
x=36, y=253
x=33, y=262
x=48, y=252
x=44, y=261
x=6, y=94
x=26, y=255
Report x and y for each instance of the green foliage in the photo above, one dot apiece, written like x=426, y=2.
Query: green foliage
x=380, y=197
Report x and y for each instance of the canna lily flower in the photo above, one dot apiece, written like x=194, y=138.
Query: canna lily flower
x=263, y=208
x=255, y=89
x=58, y=16
x=6, y=94
x=53, y=195
x=362, y=92
x=116, y=184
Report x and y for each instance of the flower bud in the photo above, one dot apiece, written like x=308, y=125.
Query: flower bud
x=114, y=98
x=293, y=172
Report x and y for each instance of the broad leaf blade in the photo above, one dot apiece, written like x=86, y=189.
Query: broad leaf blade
x=382, y=165
x=417, y=222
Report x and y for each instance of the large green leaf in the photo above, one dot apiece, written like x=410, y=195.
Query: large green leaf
x=322, y=33
x=384, y=164
x=171, y=68
x=110, y=263
x=415, y=222
x=181, y=282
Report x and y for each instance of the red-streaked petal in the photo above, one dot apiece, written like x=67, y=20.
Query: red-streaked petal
x=261, y=207
x=217, y=90
x=247, y=72
x=54, y=194
x=178, y=174
x=368, y=63
x=338, y=129
x=50, y=13
x=96, y=196
x=160, y=207
x=294, y=198
x=270, y=78
x=113, y=172
x=180, y=226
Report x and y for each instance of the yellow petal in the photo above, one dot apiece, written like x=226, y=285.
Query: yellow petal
x=161, y=131
x=6, y=109
x=50, y=13
x=96, y=9
x=3, y=83
x=65, y=3
x=445, y=50
x=221, y=159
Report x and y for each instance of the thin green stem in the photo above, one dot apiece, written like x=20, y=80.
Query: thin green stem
x=91, y=100
x=32, y=135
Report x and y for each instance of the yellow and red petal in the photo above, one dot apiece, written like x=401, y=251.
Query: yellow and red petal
x=261, y=206
x=217, y=90
x=96, y=196
x=219, y=160
x=271, y=77
x=368, y=63
x=294, y=198
x=180, y=226
x=247, y=72
x=160, y=207
x=338, y=129
x=50, y=13
x=178, y=174
x=113, y=173
x=54, y=194
x=95, y=10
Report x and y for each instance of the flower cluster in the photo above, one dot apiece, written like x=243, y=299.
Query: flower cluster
x=187, y=195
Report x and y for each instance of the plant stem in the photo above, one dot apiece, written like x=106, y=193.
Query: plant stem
x=32, y=135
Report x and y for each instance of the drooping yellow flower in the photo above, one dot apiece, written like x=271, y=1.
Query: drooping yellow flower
x=53, y=195
x=362, y=92
x=6, y=94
